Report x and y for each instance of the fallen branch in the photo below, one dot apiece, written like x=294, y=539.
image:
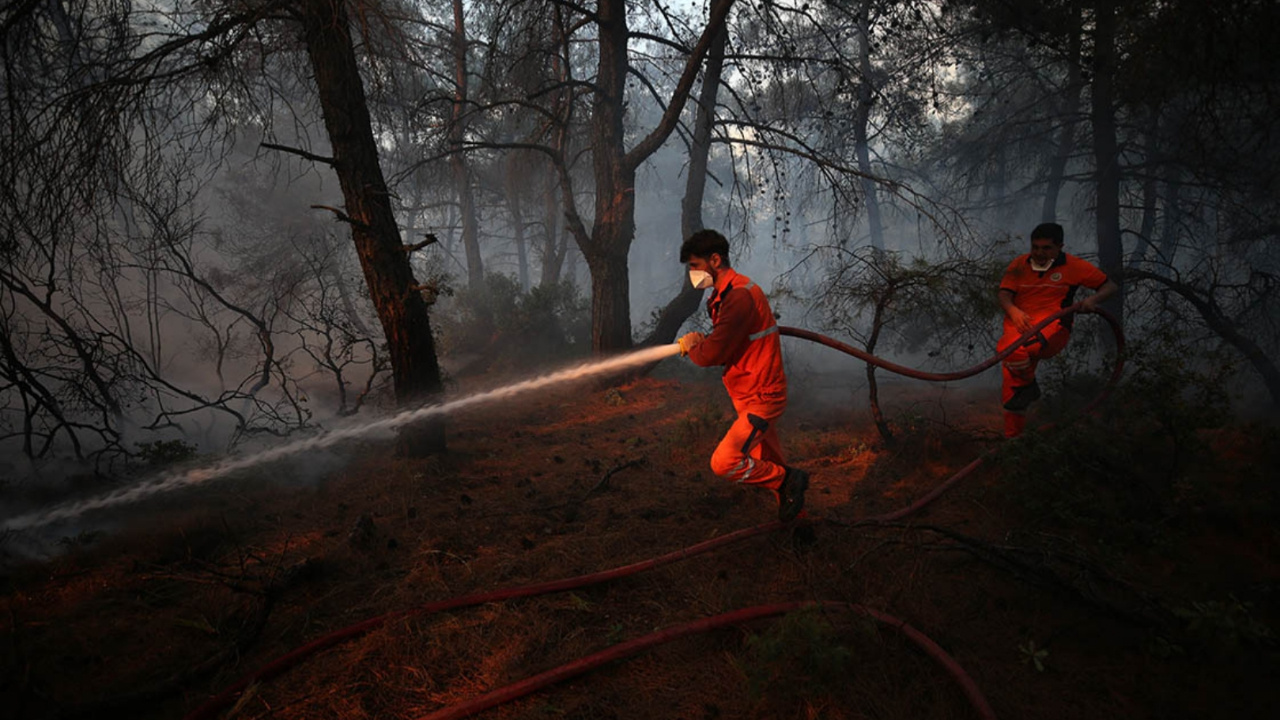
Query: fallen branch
x=637, y=462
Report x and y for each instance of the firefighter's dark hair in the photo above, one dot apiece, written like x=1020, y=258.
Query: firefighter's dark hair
x=1048, y=231
x=704, y=244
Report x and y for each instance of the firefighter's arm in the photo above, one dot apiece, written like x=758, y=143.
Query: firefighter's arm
x=1108, y=289
x=729, y=333
x=1020, y=319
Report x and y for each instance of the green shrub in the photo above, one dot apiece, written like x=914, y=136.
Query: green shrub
x=1124, y=472
x=799, y=660
x=547, y=322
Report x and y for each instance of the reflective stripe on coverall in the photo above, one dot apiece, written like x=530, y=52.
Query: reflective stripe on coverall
x=744, y=338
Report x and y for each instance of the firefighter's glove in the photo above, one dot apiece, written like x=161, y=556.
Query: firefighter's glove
x=689, y=342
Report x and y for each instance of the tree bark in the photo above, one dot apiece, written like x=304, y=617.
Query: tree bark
x=606, y=246
x=1064, y=144
x=1106, y=154
x=686, y=302
x=402, y=311
x=873, y=388
x=516, y=165
x=861, y=129
x=1150, y=190
x=458, y=160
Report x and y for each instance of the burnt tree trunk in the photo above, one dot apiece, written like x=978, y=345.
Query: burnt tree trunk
x=401, y=309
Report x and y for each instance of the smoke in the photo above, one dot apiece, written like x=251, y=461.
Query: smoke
x=223, y=468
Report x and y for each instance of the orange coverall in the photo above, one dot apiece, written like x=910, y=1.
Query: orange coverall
x=744, y=338
x=1039, y=294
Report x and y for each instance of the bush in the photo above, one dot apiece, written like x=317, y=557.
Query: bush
x=797, y=661
x=1124, y=473
x=546, y=323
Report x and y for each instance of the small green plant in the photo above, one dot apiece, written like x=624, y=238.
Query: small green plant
x=799, y=659
x=1225, y=623
x=1034, y=656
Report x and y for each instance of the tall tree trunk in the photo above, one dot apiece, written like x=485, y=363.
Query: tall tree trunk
x=1106, y=154
x=606, y=247
x=1172, y=218
x=861, y=129
x=686, y=302
x=873, y=388
x=515, y=203
x=458, y=160
x=554, y=240
x=405, y=319
x=1064, y=144
x=1150, y=191
x=615, y=200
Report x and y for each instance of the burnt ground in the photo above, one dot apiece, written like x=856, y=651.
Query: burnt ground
x=1055, y=599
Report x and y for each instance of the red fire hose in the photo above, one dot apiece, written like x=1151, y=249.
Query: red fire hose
x=215, y=704
x=510, y=692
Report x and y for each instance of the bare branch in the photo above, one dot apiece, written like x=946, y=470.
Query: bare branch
x=301, y=153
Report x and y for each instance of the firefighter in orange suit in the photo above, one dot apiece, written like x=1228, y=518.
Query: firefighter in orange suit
x=744, y=338
x=1035, y=286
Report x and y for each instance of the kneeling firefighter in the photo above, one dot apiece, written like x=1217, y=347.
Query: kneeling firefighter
x=744, y=338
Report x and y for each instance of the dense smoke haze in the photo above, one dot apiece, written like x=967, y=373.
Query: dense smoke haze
x=184, y=182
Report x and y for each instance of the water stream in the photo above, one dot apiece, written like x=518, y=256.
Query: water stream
x=222, y=468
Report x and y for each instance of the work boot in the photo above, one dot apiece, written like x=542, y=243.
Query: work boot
x=1023, y=397
x=791, y=494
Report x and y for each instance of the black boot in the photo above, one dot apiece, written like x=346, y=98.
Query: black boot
x=791, y=494
x=1023, y=397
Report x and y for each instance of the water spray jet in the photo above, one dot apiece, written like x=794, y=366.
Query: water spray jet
x=197, y=476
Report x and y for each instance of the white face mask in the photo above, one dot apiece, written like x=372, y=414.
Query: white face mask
x=701, y=279
x=1041, y=268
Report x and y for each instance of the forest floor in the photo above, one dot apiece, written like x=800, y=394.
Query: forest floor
x=1055, y=604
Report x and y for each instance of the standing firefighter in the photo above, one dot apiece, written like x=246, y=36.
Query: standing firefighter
x=744, y=338
x=1035, y=286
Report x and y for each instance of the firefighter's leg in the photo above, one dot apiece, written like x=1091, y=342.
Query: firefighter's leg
x=749, y=452
x=1018, y=369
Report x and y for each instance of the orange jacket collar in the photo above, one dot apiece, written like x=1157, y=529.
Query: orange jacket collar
x=723, y=278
